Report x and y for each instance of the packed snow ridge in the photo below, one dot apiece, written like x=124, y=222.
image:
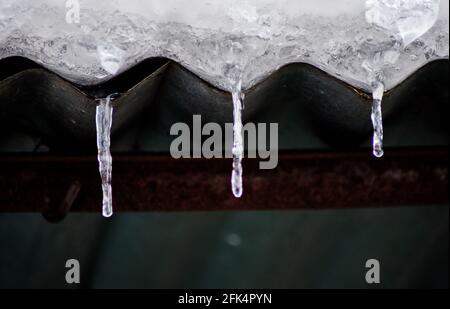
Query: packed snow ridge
x=229, y=42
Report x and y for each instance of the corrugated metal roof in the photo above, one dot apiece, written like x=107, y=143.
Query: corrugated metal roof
x=36, y=99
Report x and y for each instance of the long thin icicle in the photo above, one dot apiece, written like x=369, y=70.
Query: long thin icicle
x=104, y=122
x=377, y=119
x=238, y=146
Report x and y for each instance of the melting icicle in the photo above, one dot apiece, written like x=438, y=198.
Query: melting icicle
x=238, y=147
x=104, y=121
x=377, y=119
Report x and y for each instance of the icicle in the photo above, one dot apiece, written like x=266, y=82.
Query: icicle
x=238, y=147
x=104, y=121
x=377, y=119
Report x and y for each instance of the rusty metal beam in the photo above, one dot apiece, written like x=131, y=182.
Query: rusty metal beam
x=58, y=184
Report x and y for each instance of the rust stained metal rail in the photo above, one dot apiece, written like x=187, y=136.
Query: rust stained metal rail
x=57, y=184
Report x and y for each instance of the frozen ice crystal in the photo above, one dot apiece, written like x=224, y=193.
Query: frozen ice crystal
x=103, y=120
x=408, y=18
x=377, y=119
x=238, y=144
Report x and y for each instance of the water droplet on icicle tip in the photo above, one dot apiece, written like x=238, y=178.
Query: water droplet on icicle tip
x=377, y=119
x=238, y=146
x=103, y=118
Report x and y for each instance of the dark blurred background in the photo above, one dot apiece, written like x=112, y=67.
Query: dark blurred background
x=266, y=249
x=293, y=249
